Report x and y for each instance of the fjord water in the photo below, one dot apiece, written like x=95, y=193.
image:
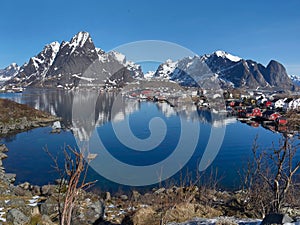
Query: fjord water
x=28, y=159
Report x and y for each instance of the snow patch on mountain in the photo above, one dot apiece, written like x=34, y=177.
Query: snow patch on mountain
x=79, y=40
x=223, y=54
x=83, y=78
x=166, y=69
x=149, y=74
x=3, y=78
x=118, y=56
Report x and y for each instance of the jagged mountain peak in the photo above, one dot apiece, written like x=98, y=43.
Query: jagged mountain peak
x=12, y=66
x=80, y=38
x=54, y=46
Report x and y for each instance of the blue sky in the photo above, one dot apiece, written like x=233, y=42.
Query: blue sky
x=258, y=30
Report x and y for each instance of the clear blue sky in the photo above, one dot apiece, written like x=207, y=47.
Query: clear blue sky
x=258, y=30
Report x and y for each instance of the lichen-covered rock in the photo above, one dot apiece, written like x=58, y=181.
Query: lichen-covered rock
x=50, y=206
x=90, y=211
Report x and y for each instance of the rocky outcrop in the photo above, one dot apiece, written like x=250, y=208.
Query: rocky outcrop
x=15, y=117
x=277, y=76
x=16, y=217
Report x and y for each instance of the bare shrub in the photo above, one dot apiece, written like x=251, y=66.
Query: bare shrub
x=269, y=179
x=72, y=179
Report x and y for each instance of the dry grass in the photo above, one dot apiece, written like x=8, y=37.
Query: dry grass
x=293, y=120
x=10, y=110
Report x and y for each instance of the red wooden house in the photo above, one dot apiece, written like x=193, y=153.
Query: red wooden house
x=256, y=112
x=271, y=115
x=281, y=120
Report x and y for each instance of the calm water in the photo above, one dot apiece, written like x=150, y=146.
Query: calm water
x=88, y=114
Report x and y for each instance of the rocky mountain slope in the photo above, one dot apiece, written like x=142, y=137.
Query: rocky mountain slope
x=74, y=63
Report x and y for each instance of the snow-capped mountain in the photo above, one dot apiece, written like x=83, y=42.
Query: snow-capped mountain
x=36, y=69
x=78, y=62
x=75, y=63
x=295, y=79
x=9, y=72
x=230, y=71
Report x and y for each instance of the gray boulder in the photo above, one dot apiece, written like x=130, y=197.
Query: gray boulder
x=90, y=214
x=50, y=206
x=10, y=177
x=16, y=217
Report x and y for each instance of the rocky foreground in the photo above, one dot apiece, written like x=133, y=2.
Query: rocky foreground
x=31, y=204
x=15, y=117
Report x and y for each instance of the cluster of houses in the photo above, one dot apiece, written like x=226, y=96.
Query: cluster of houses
x=267, y=110
x=166, y=94
x=255, y=108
